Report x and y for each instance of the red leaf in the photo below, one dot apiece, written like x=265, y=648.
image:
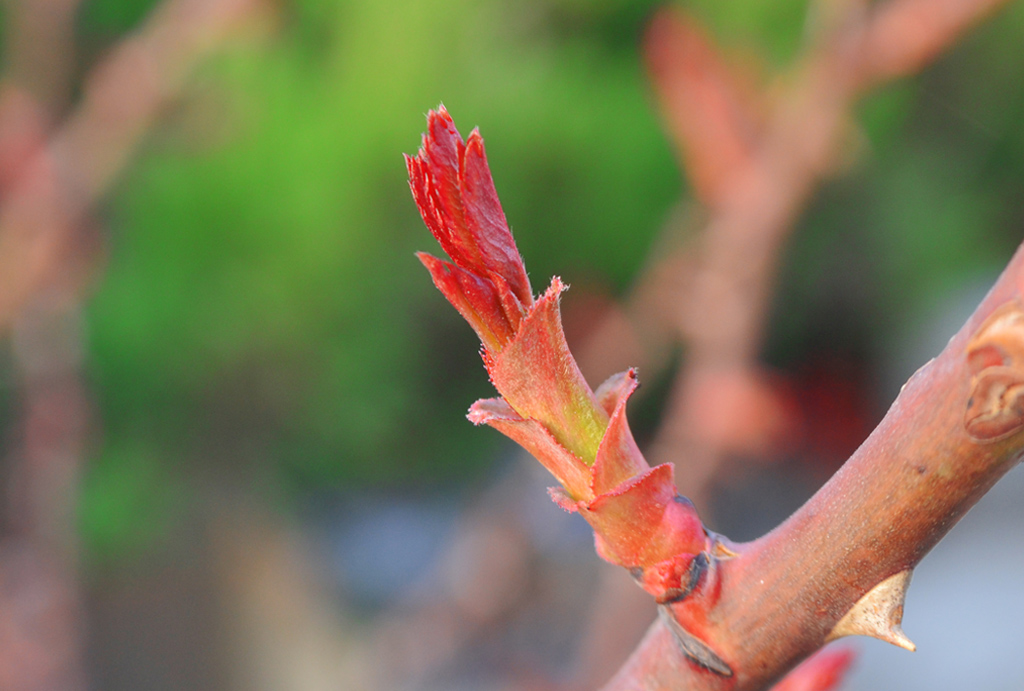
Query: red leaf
x=453, y=188
x=486, y=220
x=616, y=388
x=535, y=438
x=583, y=439
x=476, y=299
x=643, y=524
x=538, y=376
x=618, y=457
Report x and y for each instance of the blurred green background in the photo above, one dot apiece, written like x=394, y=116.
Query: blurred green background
x=260, y=334
x=261, y=321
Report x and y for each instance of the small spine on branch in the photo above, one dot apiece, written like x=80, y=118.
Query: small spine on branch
x=879, y=613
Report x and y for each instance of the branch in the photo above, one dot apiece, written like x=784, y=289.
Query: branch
x=706, y=108
x=49, y=183
x=39, y=45
x=121, y=99
x=733, y=616
x=951, y=434
x=905, y=35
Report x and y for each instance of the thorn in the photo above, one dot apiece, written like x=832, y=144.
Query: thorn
x=878, y=614
x=721, y=548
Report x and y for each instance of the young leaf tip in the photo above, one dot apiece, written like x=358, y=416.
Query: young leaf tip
x=546, y=405
x=453, y=189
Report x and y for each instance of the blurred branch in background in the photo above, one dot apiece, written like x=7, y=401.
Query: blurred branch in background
x=53, y=171
x=754, y=170
x=121, y=98
x=39, y=52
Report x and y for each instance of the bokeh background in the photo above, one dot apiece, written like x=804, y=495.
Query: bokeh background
x=234, y=446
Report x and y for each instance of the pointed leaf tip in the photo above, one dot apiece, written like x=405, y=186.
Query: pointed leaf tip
x=486, y=219
x=562, y=498
x=454, y=191
x=618, y=457
x=538, y=441
x=539, y=378
x=487, y=409
x=615, y=388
